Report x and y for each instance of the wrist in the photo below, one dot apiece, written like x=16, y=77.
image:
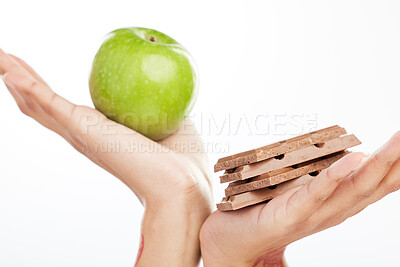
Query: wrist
x=187, y=210
x=272, y=258
x=171, y=232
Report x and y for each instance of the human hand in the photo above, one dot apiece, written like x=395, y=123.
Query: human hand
x=258, y=235
x=170, y=181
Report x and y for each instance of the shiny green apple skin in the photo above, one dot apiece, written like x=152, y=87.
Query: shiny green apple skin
x=144, y=80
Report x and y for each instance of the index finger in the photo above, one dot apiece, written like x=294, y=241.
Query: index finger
x=363, y=183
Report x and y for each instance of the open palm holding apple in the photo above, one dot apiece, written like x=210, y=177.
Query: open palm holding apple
x=169, y=183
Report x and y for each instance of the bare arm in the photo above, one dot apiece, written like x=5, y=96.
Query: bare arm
x=173, y=186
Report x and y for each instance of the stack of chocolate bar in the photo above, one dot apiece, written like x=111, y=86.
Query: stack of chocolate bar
x=261, y=174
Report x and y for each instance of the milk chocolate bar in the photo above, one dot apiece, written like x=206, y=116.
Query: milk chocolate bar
x=279, y=148
x=257, y=196
x=282, y=175
x=291, y=158
x=262, y=174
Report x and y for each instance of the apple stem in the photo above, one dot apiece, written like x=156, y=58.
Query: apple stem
x=152, y=39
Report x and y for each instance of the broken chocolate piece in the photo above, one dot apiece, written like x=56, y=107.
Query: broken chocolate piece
x=253, y=197
x=282, y=175
x=290, y=158
x=278, y=148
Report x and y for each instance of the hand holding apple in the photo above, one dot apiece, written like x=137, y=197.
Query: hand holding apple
x=174, y=186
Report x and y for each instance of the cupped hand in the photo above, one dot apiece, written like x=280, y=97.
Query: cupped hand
x=258, y=235
x=171, y=181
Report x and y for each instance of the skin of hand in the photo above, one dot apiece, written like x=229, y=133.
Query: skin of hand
x=258, y=235
x=170, y=179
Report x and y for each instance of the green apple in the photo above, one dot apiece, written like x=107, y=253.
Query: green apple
x=144, y=80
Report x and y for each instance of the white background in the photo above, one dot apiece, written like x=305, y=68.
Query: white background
x=339, y=60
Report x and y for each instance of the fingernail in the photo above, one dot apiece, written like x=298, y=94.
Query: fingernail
x=2, y=76
x=361, y=163
x=8, y=83
x=364, y=159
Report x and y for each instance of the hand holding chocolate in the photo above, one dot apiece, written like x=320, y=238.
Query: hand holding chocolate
x=261, y=174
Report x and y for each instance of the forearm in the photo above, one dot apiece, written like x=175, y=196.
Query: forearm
x=171, y=236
